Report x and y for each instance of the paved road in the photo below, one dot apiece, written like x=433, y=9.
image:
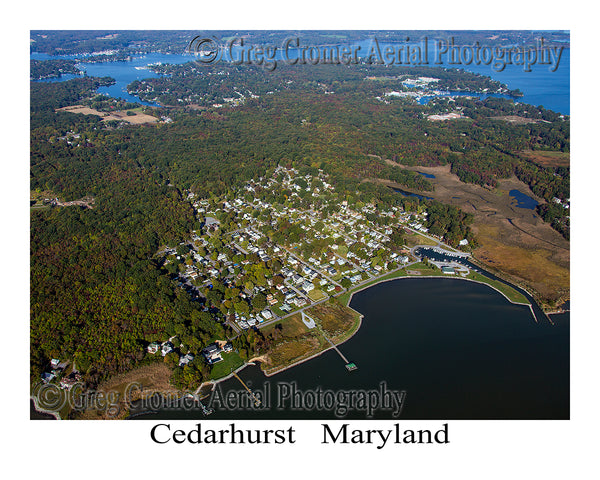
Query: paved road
x=240, y=248
x=361, y=269
x=310, y=266
x=355, y=287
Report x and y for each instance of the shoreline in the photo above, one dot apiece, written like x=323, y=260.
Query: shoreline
x=360, y=319
x=222, y=379
x=501, y=276
x=213, y=383
x=39, y=409
x=361, y=316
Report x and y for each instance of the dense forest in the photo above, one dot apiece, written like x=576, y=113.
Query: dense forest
x=98, y=295
x=51, y=68
x=45, y=97
x=193, y=84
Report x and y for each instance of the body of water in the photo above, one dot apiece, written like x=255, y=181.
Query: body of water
x=426, y=175
x=540, y=86
x=523, y=201
x=458, y=349
x=411, y=194
x=123, y=72
x=552, y=90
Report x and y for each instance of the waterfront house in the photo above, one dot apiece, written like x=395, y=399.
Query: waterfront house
x=212, y=353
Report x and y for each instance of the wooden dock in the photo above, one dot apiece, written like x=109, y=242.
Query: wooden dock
x=256, y=400
x=350, y=366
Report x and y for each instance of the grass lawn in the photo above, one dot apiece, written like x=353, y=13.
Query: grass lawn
x=417, y=239
x=230, y=362
x=277, y=311
x=511, y=293
x=426, y=270
x=316, y=295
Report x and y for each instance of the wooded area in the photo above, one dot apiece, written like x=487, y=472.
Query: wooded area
x=98, y=296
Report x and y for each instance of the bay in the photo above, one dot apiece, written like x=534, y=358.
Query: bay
x=458, y=349
x=540, y=86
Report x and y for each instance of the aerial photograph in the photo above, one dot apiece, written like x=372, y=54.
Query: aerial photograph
x=299, y=225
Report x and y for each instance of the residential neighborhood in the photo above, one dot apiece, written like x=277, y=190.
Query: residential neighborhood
x=281, y=257
x=278, y=246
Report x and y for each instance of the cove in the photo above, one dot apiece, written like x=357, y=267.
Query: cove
x=459, y=349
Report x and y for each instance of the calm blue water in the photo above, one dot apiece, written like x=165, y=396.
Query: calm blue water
x=427, y=175
x=523, y=201
x=540, y=86
x=410, y=194
x=459, y=349
x=123, y=72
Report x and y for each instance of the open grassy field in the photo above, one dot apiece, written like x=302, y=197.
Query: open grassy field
x=548, y=159
x=296, y=343
x=316, y=295
x=291, y=327
x=413, y=239
x=290, y=351
x=516, y=119
x=137, y=119
x=335, y=319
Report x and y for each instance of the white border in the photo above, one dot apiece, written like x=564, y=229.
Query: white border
x=478, y=449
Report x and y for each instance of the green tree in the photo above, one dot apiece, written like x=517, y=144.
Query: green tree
x=259, y=302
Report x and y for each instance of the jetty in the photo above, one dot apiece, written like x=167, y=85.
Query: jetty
x=350, y=366
x=250, y=392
